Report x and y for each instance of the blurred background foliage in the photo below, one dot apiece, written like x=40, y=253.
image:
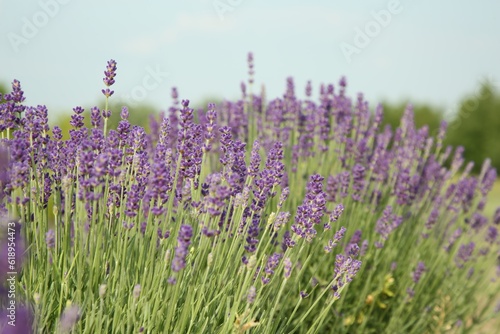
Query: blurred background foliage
x=475, y=125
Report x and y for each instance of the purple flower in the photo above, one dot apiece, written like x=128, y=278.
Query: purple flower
x=336, y=239
x=352, y=247
x=136, y=292
x=69, y=318
x=50, y=238
x=77, y=118
x=464, y=254
x=478, y=221
x=458, y=159
x=253, y=168
x=489, y=177
x=496, y=217
x=432, y=218
x=253, y=234
x=344, y=183
x=419, y=270
x=288, y=267
x=332, y=187
x=271, y=265
x=310, y=212
x=134, y=196
x=95, y=117
x=334, y=215
x=109, y=77
x=364, y=247
x=492, y=234
x=284, y=195
x=453, y=238
x=401, y=190
x=281, y=219
x=345, y=270
x=387, y=223
x=287, y=242
x=251, y=295
x=17, y=94
x=358, y=182
x=308, y=89
x=182, y=249
x=251, y=71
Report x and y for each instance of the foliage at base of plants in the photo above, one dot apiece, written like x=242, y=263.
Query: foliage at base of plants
x=255, y=216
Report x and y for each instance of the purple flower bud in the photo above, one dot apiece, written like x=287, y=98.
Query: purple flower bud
x=496, y=217
x=69, y=318
x=251, y=295
x=77, y=118
x=137, y=291
x=110, y=73
x=284, y=195
x=432, y=218
x=417, y=274
x=288, y=267
x=464, y=254
x=453, y=238
x=181, y=251
x=478, y=221
x=364, y=247
x=272, y=263
x=124, y=113
x=353, y=250
x=336, y=213
x=492, y=234
x=95, y=117
x=344, y=183
x=358, y=176
x=17, y=92
x=309, y=89
x=50, y=238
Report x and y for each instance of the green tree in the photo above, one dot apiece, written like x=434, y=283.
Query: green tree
x=476, y=126
x=3, y=88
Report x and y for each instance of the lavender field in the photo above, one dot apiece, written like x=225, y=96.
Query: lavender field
x=259, y=215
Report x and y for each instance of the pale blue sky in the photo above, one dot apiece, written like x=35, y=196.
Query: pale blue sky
x=433, y=51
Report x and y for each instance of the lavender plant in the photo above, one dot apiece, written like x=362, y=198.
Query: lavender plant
x=281, y=216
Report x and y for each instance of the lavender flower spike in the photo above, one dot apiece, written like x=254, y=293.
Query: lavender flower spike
x=181, y=251
x=69, y=318
x=109, y=77
x=333, y=242
x=417, y=274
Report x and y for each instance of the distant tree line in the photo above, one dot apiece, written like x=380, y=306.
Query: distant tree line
x=475, y=125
